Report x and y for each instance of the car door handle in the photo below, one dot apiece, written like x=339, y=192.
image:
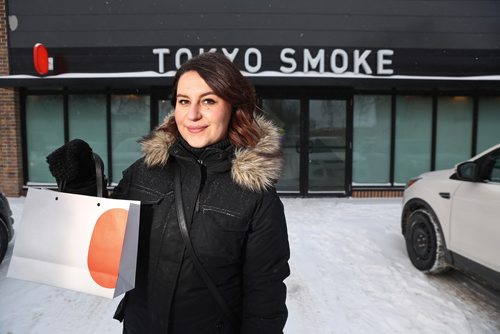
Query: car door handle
x=445, y=195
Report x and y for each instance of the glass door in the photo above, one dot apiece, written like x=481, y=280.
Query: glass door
x=327, y=146
x=314, y=144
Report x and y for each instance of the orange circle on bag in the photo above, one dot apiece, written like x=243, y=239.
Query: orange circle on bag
x=105, y=247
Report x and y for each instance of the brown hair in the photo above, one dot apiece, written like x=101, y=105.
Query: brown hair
x=227, y=82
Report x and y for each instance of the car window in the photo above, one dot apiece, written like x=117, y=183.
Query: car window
x=495, y=169
x=495, y=173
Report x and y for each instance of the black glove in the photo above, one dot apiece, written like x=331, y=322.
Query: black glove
x=74, y=168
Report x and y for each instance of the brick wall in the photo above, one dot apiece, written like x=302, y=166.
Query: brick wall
x=11, y=176
x=377, y=193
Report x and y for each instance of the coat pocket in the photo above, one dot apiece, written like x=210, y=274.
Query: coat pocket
x=218, y=235
x=150, y=199
x=147, y=196
x=225, y=219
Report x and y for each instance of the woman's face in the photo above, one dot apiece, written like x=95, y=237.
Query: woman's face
x=201, y=116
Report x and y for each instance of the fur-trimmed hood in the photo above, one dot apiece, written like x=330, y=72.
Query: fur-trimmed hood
x=255, y=169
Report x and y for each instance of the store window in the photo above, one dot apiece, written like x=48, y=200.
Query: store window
x=130, y=121
x=488, y=133
x=164, y=109
x=413, y=137
x=286, y=115
x=87, y=121
x=454, y=130
x=44, y=134
x=371, y=140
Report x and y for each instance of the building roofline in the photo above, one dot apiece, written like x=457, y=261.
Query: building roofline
x=151, y=78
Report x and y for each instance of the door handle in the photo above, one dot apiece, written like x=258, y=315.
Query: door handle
x=445, y=195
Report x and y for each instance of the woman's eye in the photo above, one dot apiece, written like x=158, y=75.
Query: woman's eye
x=182, y=102
x=208, y=101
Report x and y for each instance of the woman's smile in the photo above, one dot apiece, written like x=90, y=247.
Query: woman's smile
x=196, y=129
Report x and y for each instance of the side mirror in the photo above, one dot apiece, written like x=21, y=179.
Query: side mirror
x=468, y=171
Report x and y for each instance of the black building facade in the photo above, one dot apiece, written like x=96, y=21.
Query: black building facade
x=367, y=93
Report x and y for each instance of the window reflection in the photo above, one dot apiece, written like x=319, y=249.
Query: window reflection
x=129, y=122
x=454, y=131
x=488, y=120
x=286, y=115
x=87, y=121
x=371, y=139
x=413, y=137
x=164, y=109
x=44, y=133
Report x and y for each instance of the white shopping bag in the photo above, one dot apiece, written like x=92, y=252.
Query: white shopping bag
x=77, y=242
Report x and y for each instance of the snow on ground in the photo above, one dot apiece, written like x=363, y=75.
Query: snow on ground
x=350, y=274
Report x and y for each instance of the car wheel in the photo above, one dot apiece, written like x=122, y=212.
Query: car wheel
x=424, y=242
x=4, y=240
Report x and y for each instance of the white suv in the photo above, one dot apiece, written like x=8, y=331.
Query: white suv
x=451, y=218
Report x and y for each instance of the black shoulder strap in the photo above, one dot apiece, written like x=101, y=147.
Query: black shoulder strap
x=99, y=165
x=189, y=246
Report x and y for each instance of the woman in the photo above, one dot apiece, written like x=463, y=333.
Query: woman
x=229, y=160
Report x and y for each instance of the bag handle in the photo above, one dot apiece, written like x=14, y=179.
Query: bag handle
x=189, y=246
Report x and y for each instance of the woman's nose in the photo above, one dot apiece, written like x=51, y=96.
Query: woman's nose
x=194, y=112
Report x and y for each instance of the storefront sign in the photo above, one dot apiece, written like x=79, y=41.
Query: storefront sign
x=267, y=61
x=292, y=60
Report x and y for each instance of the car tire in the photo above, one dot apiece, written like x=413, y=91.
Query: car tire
x=424, y=242
x=4, y=240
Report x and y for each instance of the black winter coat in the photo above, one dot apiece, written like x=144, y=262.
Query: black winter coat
x=238, y=230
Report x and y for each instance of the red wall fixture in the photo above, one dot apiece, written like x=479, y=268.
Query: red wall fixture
x=41, y=59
